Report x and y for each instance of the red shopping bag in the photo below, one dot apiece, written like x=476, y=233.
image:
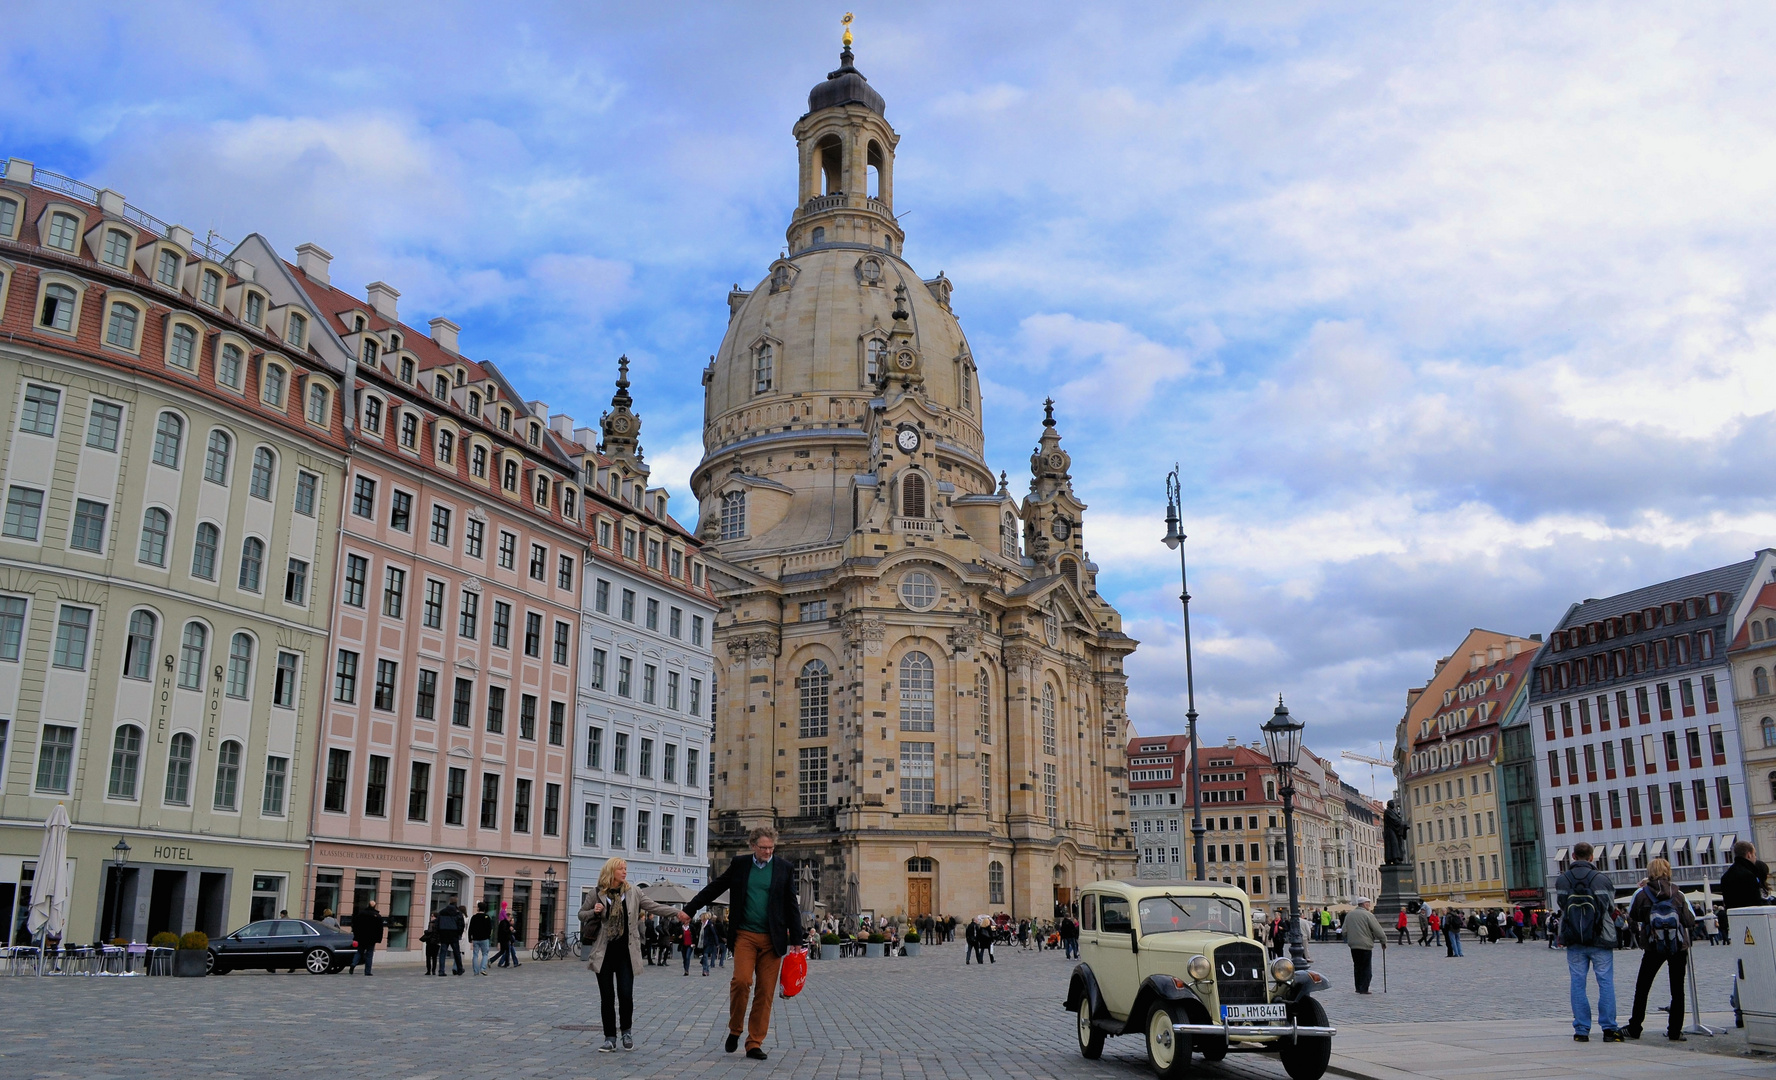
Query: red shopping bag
x=795, y=971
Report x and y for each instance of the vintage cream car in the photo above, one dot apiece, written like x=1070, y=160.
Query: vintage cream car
x=1179, y=964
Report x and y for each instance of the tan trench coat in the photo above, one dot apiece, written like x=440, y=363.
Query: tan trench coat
x=636, y=903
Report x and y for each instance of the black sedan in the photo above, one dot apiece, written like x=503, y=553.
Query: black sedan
x=283, y=943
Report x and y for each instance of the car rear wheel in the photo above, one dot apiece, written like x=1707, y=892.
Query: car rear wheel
x=1168, y=1051
x=1307, y=1057
x=1091, y=1040
x=317, y=961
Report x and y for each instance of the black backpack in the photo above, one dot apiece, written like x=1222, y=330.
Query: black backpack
x=1581, y=917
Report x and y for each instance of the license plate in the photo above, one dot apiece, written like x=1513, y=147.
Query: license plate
x=1254, y=1012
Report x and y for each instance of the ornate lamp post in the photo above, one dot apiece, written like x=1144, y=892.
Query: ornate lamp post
x=549, y=901
x=1174, y=539
x=119, y=855
x=1282, y=735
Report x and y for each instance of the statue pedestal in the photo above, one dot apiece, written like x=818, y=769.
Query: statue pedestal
x=1399, y=889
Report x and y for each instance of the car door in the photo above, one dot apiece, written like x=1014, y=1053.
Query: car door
x=289, y=941
x=1117, y=973
x=246, y=946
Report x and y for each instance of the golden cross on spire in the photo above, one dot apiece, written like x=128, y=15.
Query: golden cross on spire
x=846, y=22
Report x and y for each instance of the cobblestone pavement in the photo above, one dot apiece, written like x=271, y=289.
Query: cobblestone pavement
x=890, y=1019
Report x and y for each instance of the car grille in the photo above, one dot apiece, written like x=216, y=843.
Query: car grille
x=1245, y=986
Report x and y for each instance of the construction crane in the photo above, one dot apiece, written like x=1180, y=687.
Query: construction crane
x=1372, y=762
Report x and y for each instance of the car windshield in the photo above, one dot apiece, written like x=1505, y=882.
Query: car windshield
x=1172, y=914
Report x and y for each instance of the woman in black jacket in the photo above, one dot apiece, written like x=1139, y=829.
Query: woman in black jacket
x=1668, y=947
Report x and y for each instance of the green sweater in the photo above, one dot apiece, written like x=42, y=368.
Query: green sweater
x=755, y=909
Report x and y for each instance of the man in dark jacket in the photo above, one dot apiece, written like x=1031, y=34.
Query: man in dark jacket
x=765, y=922
x=480, y=933
x=1070, y=937
x=1739, y=885
x=450, y=931
x=367, y=925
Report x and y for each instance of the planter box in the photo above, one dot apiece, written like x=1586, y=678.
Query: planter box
x=912, y=948
x=191, y=963
x=872, y=949
x=829, y=952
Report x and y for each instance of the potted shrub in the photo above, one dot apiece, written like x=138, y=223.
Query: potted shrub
x=162, y=940
x=911, y=941
x=192, y=960
x=829, y=946
x=872, y=945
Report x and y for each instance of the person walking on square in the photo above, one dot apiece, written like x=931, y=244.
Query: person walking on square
x=711, y=941
x=1362, y=932
x=480, y=935
x=367, y=926
x=1664, y=926
x=450, y=930
x=1424, y=926
x=1452, y=934
x=1588, y=931
x=503, y=931
x=765, y=920
x=1070, y=937
x=1402, y=929
x=687, y=944
x=618, y=909
x=430, y=938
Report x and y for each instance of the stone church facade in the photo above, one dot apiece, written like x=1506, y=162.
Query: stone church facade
x=919, y=684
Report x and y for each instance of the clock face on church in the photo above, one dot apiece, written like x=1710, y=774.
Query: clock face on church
x=907, y=440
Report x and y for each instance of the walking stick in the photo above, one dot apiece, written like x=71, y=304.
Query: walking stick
x=1384, y=968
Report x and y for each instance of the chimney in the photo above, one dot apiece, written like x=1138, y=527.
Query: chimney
x=383, y=298
x=244, y=270
x=444, y=333
x=586, y=437
x=1233, y=740
x=313, y=261
x=562, y=425
x=179, y=235
x=111, y=203
x=1476, y=660
x=1512, y=648
x=538, y=409
x=1494, y=653
x=20, y=171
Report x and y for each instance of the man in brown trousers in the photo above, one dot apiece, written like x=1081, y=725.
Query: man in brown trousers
x=764, y=920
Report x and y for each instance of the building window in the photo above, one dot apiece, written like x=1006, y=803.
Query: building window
x=476, y=532
x=64, y=229
x=153, y=546
x=296, y=582
x=263, y=465
x=440, y=525
x=502, y=625
x=672, y=690
x=496, y=710
x=254, y=311
x=1050, y=792
x=401, y=512
x=317, y=405
x=814, y=687
x=357, y=573
x=178, y=776
x=58, y=308
x=811, y=781
x=598, y=658
x=296, y=330
x=761, y=368
x=120, y=329
x=533, y=634
x=283, y=689
x=277, y=772
x=733, y=515
x=73, y=625
x=394, y=590
x=527, y=717
x=918, y=590
x=228, y=758
x=216, y=457
x=38, y=416
x=620, y=753
x=425, y=700
x=562, y=631
x=345, y=677
x=383, y=698
x=410, y=431
x=364, y=498
x=521, y=806
x=272, y=389
x=433, y=613
x=564, y=572
x=557, y=723
x=594, y=748
x=469, y=617
x=995, y=882
x=462, y=703
x=539, y=558
x=240, y=666
x=419, y=790
x=88, y=532
x=490, y=785
x=912, y=496
x=126, y=757
x=210, y=288
x=138, y=649
x=918, y=777
x=103, y=422
x=182, y=347
x=653, y=614
x=456, y=783
x=1048, y=719
x=508, y=550
x=338, y=775
x=552, y=810
x=24, y=513
x=230, y=366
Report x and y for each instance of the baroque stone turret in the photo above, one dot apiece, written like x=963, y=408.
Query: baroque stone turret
x=620, y=426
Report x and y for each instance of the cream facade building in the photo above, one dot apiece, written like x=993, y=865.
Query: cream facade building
x=919, y=683
x=1753, y=659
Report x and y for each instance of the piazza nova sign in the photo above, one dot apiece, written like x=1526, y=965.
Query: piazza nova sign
x=1472, y=703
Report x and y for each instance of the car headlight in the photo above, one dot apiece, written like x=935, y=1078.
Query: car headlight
x=1199, y=968
x=1282, y=969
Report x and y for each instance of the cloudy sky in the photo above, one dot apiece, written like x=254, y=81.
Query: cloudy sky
x=1452, y=314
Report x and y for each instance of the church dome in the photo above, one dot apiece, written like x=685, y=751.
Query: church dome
x=846, y=86
x=819, y=314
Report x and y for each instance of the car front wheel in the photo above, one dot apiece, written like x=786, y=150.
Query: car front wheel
x=317, y=961
x=1307, y=1057
x=1091, y=1040
x=1168, y=1051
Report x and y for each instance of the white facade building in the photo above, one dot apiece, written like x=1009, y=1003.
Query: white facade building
x=647, y=676
x=1636, y=739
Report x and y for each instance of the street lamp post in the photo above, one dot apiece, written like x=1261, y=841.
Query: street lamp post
x=119, y=855
x=1174, y=539
x=549, y=896
x=1282, y=735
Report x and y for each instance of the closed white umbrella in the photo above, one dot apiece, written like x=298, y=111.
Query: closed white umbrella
x=50, y=888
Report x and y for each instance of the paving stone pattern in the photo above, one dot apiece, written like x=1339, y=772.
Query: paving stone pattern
x=890, y=1019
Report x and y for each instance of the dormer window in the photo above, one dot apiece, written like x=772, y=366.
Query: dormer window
x=358, y=324
x=567, y=502
x=369, y=352
x=117, y=248
x=63, y=231
x=761, y=368
x=912, y=496
x=58, y=308
x=511, y=474
x=733, y=515
x=474, y=403
x=254, y=309
x=9, y=209
x=542, y=489
x=873, y=352
x=120, y=328
x=461, y=376
x=478, y=462
x=182, y=347
x=394, y=342
x=210, y=288
x=317, y=404
x=410, y=431
x=166, y=269
x=273, y=391
x=406, y=370
x=505, y=419
x=536, y=434
x=297, y=330
x=230, y=367
x=446, y=447
x=373, y=415
x=660, y=507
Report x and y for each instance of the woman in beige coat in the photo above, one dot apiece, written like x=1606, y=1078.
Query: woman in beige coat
x=615, y=909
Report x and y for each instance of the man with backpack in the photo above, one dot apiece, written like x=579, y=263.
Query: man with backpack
x=1588, y=930
x=1662, y=922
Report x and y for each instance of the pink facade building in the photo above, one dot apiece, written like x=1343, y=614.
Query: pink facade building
x=443, y=765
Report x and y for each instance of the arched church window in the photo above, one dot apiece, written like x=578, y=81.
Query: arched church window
x=1008, y=537
x=918, y=693
x=912, y=496
x=1767, y=727
x=733, y=515
x=874, y=163
x=1048, y=719
x=1757, y=630
x=814, y=686
x=830, y=154
x=1760, y=681
x=967, y=387
x=983, y=692
x=1051, y=626
x=819, y=236
x=873, y=351
x=761, y=368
